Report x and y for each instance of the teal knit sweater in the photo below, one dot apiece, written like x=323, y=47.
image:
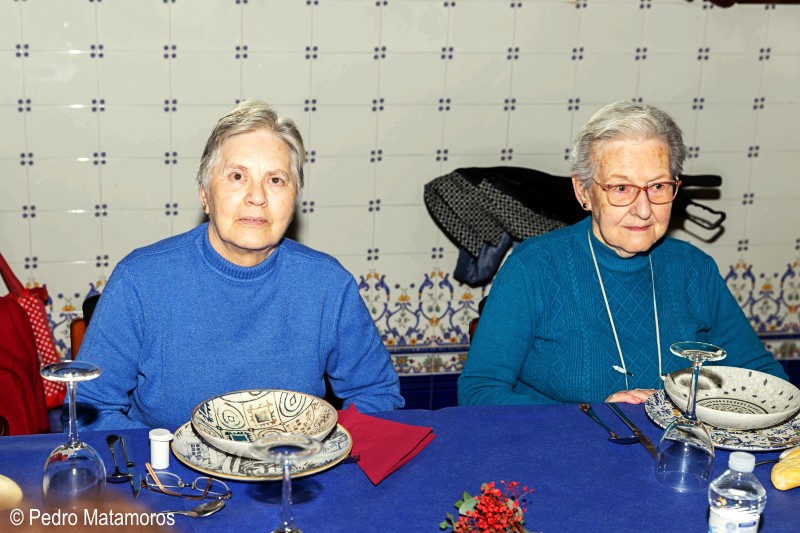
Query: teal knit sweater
x=544, y=335
x=178, y=324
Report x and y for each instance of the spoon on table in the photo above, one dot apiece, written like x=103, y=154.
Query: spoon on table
x=117, y=476
x=586, y=408
x=204, y=509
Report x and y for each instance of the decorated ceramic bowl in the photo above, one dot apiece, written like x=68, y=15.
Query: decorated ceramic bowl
x=735, y=398
x=231, y=421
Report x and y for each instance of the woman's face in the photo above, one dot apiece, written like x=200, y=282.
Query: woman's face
x=634, y=228
x=251, y=197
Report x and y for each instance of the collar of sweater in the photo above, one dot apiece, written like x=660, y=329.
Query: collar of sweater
x=608, y=259
x=222, y=265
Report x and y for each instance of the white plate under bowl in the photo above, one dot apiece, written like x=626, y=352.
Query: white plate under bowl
x=662, y=411
x=736, y=398
x=233, y=420
x=195, y=453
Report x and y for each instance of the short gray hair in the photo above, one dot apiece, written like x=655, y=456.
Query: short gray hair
x=625, y=120
x=251, y=115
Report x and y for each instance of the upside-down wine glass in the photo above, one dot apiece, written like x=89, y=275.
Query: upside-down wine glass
x=685, y=455
x=284, y=448
x=73, y=471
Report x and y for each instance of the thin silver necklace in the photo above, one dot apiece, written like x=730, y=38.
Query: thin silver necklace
x=623, y=369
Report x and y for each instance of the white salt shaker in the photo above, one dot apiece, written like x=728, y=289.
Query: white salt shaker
x=159, y=448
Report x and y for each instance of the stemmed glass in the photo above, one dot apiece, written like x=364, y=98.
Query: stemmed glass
x=284, y=448
x=74, y=470
x=685, y=454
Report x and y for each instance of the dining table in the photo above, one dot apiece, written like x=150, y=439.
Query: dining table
x=580, y=480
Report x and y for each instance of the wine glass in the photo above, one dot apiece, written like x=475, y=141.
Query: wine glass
x=284, y=448
x=685, y=454
x=73, y=471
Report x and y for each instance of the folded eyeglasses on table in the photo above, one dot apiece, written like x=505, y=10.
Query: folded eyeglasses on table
x=171, y=484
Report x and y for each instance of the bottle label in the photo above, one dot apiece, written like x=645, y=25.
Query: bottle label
x=730, y=521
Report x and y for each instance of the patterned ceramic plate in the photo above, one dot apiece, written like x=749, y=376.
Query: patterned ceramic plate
x=195, y=453
x=662, y=411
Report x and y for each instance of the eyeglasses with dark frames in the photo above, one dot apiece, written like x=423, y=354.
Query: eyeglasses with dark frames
x=624, y=194
x=200, y=489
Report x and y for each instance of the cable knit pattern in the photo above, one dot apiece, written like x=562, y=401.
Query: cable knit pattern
x=178, y=323
x=545, y=337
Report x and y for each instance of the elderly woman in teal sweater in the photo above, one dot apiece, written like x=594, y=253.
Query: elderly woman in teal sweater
x=587, y=313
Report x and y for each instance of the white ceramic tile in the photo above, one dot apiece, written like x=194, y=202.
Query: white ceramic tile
x=225, y=18
x=777, y=127
x=401, y=179
x=341, y=181
x=346, y=26
x=475, y=128
x=624, y=21
x=135, y=131
x=553, y=164
x=13, y=185
x=12, y=89
x=350, y=79
x=141, y=26
x=14, y=238
x=185, y=190
x=279, y=78
x=726, y=257
x=729, y=234
x=357, y=265
x=731, y=79
x=191, y=127
x=136, y=184
x=546, y=28
x=119, y=240
x=782, y=78
x=412, y=129
x=686, y=118
x=478, y=79
x=340, y=230
x=735, y=169
x=62, y=132
x=424, y=87
x=773, y=221
x=277, y=25
x=412, y=26
x=669, y=78
x=63, y=25
x=725, y=127
x=187, y=219
x=65, y=236
x=770, y=262
x=606, y=78
x=482, y=27
x=419, y=233
x=60, y=78
x=784, y=28
x=539, y=128
x=13, y=133
x=737, y=31
x=133, y=78
x=404, y=273
x=772, y=175
x=191, y=83
x=329, y=122
x=674, y=28
x=71, y=184
x=10, y=23
x=543, y=78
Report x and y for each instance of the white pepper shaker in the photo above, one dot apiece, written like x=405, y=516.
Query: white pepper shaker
x=159, y=448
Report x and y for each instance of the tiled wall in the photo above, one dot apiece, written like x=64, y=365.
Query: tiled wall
x=105, y=106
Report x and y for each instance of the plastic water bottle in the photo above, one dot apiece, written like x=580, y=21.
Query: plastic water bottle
x=736, y=497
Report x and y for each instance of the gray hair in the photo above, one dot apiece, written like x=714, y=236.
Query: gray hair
x=251, y=115
x=625, y=120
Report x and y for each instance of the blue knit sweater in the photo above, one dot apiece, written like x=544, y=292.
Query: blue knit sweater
x=177, y=324
x=544, y=335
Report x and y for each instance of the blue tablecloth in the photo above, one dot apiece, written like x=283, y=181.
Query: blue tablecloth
x=582, y=482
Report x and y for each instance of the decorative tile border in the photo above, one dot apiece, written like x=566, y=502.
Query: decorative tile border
x=425, y=325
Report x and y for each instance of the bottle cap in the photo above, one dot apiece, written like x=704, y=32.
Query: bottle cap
x=742, y=462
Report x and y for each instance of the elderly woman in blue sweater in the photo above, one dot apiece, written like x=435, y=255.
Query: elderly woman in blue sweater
x=587, y=313
x=233, y=304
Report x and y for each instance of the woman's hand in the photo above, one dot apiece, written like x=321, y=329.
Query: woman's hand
x=630, y=396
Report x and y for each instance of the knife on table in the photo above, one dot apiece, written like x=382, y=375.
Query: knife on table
x=642, y=437
x=136, y=477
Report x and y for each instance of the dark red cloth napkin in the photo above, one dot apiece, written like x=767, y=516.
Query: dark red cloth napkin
x=383, y=445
